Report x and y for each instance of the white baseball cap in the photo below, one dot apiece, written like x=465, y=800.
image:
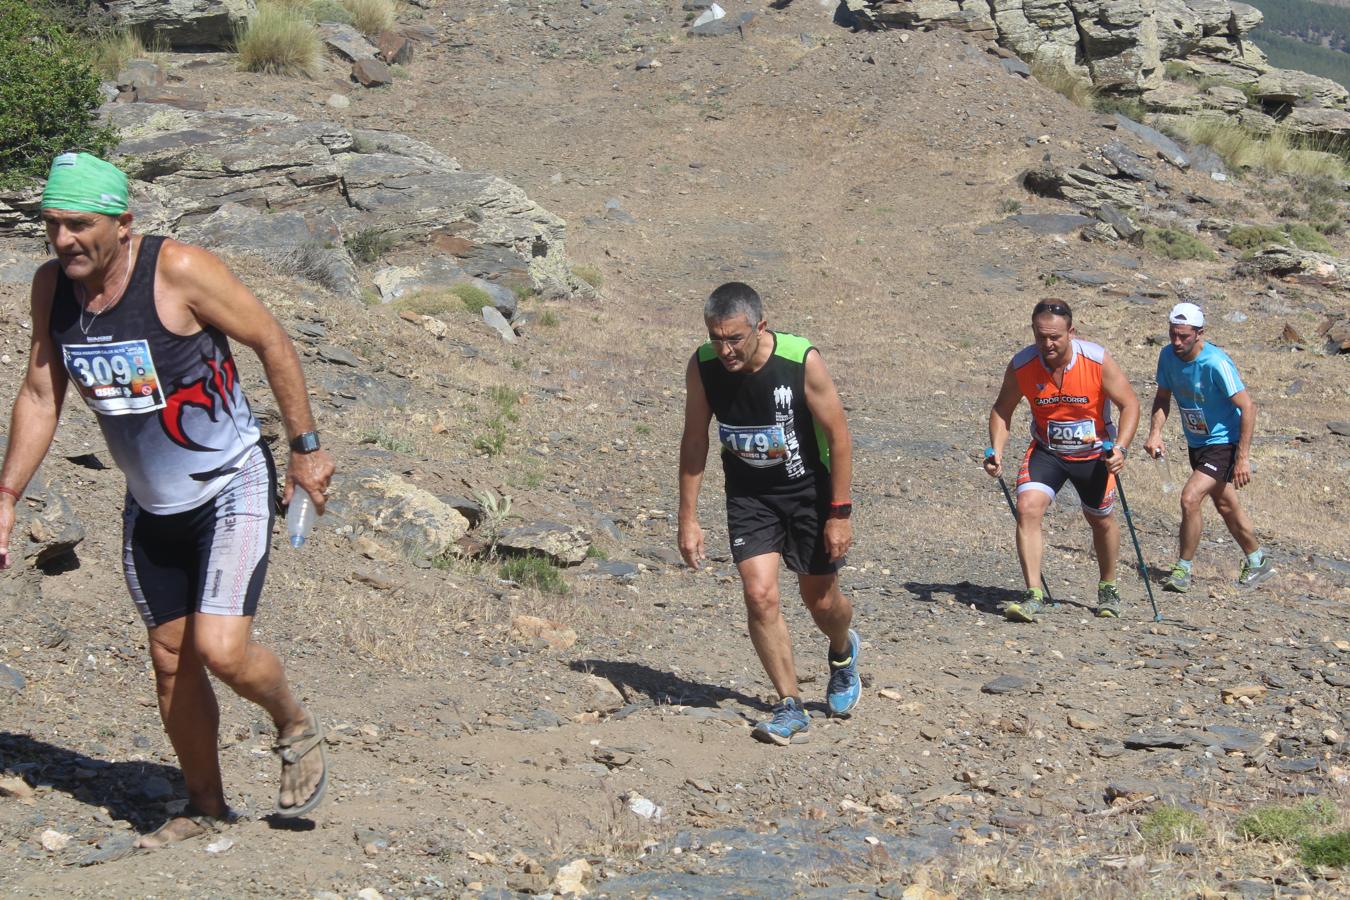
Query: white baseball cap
x=1187, y=314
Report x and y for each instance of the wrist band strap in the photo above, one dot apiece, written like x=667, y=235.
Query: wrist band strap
x=13, y=493
x=835, y=504
x=988, y=452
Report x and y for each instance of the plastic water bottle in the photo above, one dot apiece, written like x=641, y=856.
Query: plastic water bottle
x=1164, y=467
x=299, y=517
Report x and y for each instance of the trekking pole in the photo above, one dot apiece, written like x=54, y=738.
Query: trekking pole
x=1007, y=495
x=1139, y=553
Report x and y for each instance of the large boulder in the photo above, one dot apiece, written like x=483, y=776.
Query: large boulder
x=383, y=506
x=1315, y=122
x=1290, y=86
x=184, y=23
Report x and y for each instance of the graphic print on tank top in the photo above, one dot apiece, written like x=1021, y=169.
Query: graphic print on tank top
x=170, y=406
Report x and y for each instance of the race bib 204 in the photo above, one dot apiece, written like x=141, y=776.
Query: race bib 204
x=1071, y=437
x=115, y=379
x=757, y=445
x=1193, y=420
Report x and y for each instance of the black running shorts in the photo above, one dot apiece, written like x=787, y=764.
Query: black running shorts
x=211, y=559
x=1046, y=472
x=791, y=524
x=1215, y=460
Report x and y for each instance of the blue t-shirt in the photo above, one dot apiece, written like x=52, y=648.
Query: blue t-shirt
x=1203, y=389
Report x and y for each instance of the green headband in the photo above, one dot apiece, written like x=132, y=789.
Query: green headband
x=84, y=183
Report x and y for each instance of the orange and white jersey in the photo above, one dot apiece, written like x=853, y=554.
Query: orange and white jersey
x=1070, y=419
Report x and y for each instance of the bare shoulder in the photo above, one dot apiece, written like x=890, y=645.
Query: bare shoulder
x=44, y=285
x=185, y=263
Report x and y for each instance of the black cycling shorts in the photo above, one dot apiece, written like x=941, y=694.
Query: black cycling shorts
x=1215, y=460
x=791, y=524
x=210, y=559
x=1046, y=472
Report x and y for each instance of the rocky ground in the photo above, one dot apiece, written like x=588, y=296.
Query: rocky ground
x=864, y=183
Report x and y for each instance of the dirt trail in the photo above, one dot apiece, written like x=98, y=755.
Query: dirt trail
x=846, y=176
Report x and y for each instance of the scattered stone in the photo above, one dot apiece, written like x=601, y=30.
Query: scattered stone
x=1049, y=223
x=1332, y=736
x=498, y=323
x=184, y=24
x=339, y=101
x=1084, y=722
x=1009, y=684
x=54, y=841
x=573, y=877
x=1230, y=695
x=724, y=26
x=1152, y=740
x=383, y=504
x=564, y=545
x=372, y=73
x=338, y=356
x=1167, y=148
x=371, y=842
x=1340, y=428
x=13, y=786
x=1084, y=277
x=11, y=679
x=394, y=47
x=109, y=849
x=220, y=845
x=346, y=41
x=641, y=806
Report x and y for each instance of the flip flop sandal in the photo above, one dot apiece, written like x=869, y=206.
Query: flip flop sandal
x=292, y=750
x=209, y=824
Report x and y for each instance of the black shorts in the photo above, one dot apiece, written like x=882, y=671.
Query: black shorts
x=1215, y=460
x=1046, y=472
x=211, y=559
x=791, y=524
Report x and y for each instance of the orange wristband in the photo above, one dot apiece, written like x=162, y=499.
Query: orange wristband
x=13, y=493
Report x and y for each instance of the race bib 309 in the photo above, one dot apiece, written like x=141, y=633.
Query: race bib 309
x=115, y=379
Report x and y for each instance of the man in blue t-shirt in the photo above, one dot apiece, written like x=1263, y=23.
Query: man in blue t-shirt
x=1218, y=418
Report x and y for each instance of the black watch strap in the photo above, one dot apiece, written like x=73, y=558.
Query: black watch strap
x=305, y=443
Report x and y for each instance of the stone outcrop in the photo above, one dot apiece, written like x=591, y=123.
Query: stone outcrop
x=1127, y=46
x=296, y=192
x=184, y=23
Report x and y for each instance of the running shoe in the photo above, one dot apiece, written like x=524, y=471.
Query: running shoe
x=1025, y=609
x=845, y=688
x=788, y=719
x=1253, y=575
x=1178, y=582
x=1108, y=601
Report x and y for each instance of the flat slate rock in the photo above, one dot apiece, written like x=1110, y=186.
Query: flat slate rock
x=1085, y=277
x=1009, y=684
x=1049, y=223
x=1233, y=739
x=1153, y=740
x=721, y=27
x=11, y=679
x=1167, y=148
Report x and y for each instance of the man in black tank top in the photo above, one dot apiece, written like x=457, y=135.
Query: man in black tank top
x=141, y=326
x=788, y=461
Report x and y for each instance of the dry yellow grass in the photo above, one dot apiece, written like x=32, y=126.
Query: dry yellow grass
x=279, y=40
x=1280, y=153
x=370, y=16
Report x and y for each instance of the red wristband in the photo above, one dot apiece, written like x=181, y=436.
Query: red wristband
x=838, y=503
x=13, y=493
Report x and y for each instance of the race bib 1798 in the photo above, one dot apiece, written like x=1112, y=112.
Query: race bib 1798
x=757, y=445
x=115, y=379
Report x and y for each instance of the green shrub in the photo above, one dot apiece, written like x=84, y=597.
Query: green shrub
x=1306, y=237
x=1009, y=207
x=535, y=572
x=369, y=245
x=279, y=40
x=1175, y=244
x=1167, y=824
x=473, y=298
x=1248, y=237
x=1129, y=107
x=370, y=16
x=1331, y=850
x=548, y=319
x=330, y=11
x=1285, y=824
x=49, y=93
x=428, y=303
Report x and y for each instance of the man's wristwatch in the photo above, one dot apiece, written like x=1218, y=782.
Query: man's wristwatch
x=305, y=443
x=841, y=510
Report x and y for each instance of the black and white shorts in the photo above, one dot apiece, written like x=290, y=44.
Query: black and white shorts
x=1215, y=460
x=210, y=559
x=791, y=524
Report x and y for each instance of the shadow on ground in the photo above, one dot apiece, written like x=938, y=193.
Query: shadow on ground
x=638, y=683
x=117, y=786
x=985, y=599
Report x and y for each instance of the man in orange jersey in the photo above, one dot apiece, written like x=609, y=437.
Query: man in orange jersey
x=1070, y=385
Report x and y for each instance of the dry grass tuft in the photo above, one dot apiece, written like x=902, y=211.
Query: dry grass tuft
x=1278, y=154
x=279, y=40
x=370, y=16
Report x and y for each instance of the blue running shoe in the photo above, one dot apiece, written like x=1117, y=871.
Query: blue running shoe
x=845, y=688
x=788, y=719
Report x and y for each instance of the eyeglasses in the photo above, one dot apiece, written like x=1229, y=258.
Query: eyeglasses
x=1050, y=306
x=729, y=343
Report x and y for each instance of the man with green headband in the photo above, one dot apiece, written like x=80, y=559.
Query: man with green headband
x=140, y=325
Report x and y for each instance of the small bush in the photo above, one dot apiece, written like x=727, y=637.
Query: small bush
x=369, y=245
x=49, y=93
x=370, y=16
x=428, y=303
x=1076, y=88
x=1168, y=824
x=1175, y=244
x=590, y=275
x=1129, y=107
x=1285, y=824
x=493, y=442
x=1009, y=207
x=1248, y=237
x=329, y=11
x=390, y=442
x=472, y=298
x=1306, y=237
x=279, y=40
x=506, y=400
x=548, y=319
x=1332, y=850
x=535, y=572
